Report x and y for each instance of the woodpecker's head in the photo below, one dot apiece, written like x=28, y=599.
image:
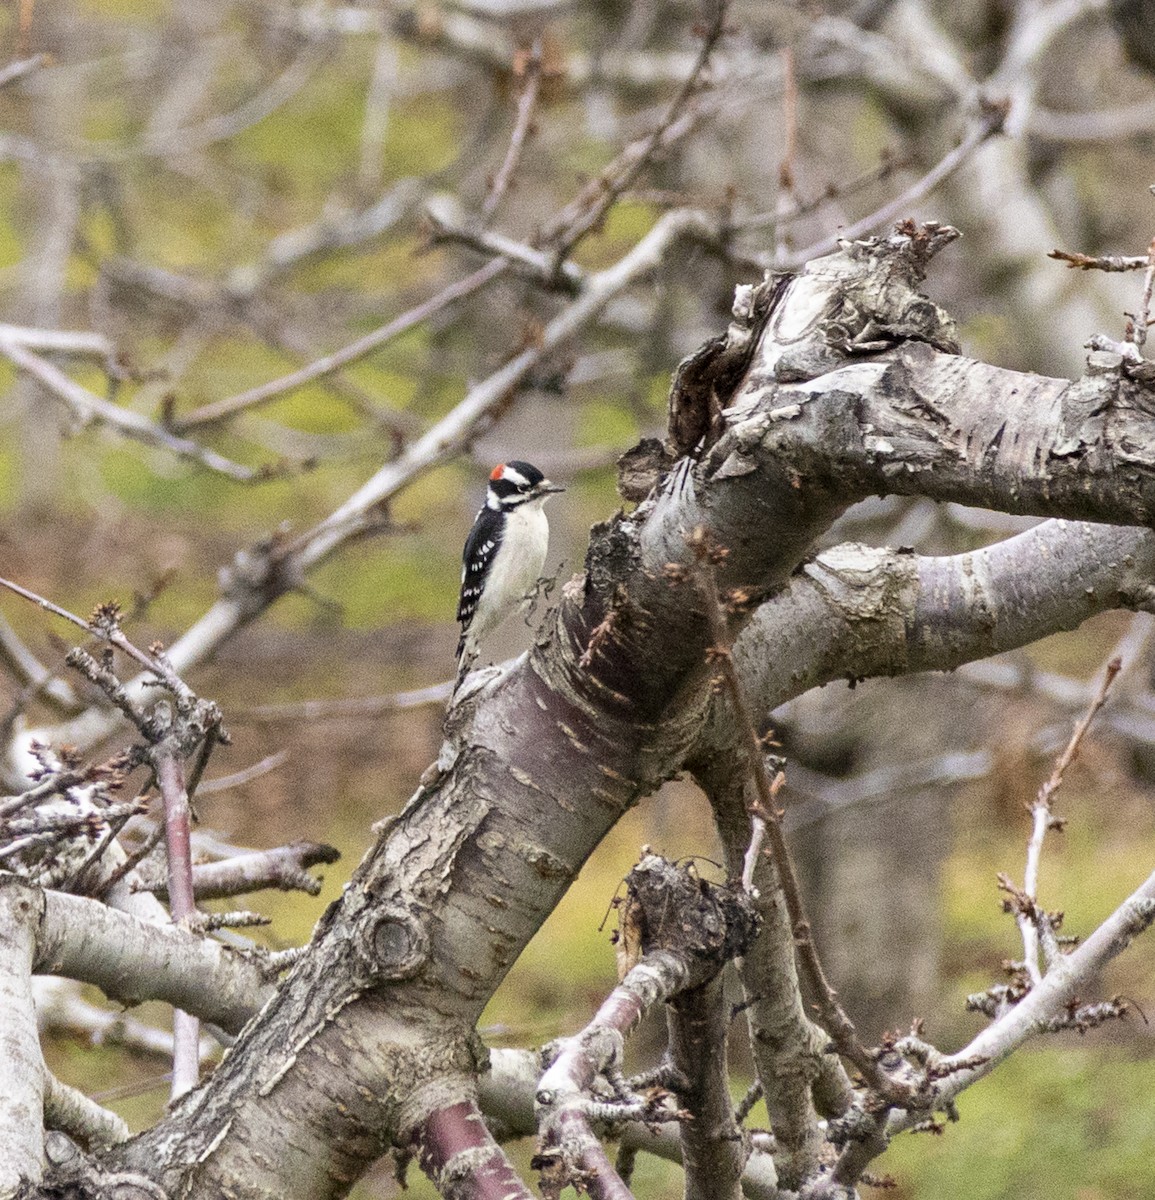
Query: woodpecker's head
x=514, y=483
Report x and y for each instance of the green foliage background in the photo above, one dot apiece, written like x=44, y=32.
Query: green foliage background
x=1071, y=1119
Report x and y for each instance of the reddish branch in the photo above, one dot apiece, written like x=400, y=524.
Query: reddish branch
x=832, y=1015
x=457, y=1152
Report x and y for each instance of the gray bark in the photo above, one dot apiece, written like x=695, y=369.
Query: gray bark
x=855, y=388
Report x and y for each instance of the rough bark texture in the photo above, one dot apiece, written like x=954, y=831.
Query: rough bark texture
x=854, y=389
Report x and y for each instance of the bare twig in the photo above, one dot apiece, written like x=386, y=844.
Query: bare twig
x=335, y=710
x=530, y=71
x=1048, y=790
x=833, y=1016
x=565, y=218
x=86, y=407
x=105, y=624
x=888, y=164
x=1143, y=320
x=223, y=126
x=1102, y=262
x=382, y=80
x=220, y=410
x=1029, y=917
x=989, y=124
x=610, y=187
x=223, y=783
x=1132, y=120
x=786, y=167
x=524, y=260
x=37, y=679
x=133, y=860
x=1047, y=1000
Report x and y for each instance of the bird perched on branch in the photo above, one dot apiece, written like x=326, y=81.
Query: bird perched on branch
x=504, y=554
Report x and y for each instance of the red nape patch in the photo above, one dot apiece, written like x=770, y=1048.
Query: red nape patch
x=497, y=472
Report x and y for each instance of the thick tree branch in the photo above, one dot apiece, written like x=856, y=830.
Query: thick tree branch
x=22, y=1097
x=258, y=577
x=854, y=611
x=714, y=1149
x=132, y=960
x=542, y=758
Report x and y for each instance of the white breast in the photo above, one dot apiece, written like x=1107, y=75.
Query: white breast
x=517, y=567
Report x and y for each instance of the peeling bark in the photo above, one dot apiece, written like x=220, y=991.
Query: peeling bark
x=855, y=388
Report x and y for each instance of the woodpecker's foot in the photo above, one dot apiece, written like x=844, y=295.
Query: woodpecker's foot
x=541, y=590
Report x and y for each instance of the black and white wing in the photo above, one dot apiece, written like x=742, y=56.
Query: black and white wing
x=480, y=549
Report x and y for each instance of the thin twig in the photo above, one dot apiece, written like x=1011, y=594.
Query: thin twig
x=105, y=628
x=526, y=102
x=1048, y=790
x=36, y=679
x=47, y=605
x=990, y=123
x=111, y=834
x=524, y=260
x=610, y=188
x=786, y=176
x=219, y=410
x=1103, y=262
x=224, y=783
x=834, y=1018
x=886, y=167
x=134, y=860
x=1043, y=818
x=1143, y=321
x=87, y=407
x=352, y=706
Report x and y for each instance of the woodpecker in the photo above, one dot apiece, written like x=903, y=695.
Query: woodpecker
x=504, y=554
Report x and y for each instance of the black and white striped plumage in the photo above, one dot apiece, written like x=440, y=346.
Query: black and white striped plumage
x=504, y=554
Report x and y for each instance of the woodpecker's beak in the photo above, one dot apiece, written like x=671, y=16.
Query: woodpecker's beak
x=546, y=487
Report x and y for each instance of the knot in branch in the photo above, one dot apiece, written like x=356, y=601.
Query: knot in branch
x=670, y=908
x=392, y=945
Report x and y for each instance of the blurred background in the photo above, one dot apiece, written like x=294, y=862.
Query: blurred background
x=230, y=189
